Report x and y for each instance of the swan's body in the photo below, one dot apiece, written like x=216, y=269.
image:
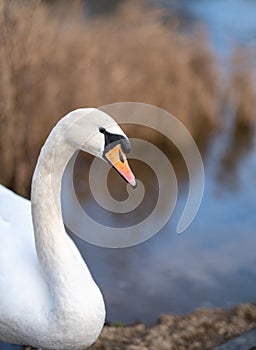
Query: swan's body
x=48, y=298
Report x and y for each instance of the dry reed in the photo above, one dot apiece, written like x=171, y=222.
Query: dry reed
x=242, y=92
x=52, y=62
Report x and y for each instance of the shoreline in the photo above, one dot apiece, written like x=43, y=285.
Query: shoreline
x=203, y=329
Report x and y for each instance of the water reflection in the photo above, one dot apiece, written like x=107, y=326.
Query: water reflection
x=7, y=346
x=118, y=190
x=205, y=266
x=239, y=147
x=214, y=262
x=227, y=28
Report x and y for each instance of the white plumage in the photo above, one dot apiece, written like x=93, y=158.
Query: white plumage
x=48, y=298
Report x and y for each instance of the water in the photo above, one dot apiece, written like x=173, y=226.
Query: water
x=228, y=22
x=214, y=262
x=7, y=346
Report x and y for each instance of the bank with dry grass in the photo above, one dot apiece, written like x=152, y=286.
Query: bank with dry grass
x=201, y=330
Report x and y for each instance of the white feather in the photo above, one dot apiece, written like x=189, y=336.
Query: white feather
x=48, y=298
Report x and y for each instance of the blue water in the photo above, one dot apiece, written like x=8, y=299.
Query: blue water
x=7, y=346
x=228, y=22
x=214, y=262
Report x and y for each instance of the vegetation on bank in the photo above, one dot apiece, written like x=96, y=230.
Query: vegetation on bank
x=201, y=330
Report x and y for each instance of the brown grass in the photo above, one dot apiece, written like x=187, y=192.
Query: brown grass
x=242, y=92
x=53, y=61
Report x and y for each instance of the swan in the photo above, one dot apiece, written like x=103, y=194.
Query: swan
x=48, y=298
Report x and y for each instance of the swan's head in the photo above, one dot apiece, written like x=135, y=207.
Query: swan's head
x=95, y=132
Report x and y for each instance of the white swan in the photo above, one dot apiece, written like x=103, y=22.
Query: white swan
x=48, y=298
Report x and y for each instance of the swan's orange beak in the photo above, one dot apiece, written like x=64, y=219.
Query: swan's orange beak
x=117, y=158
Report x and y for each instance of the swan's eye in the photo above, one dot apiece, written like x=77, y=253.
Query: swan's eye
x=102, y=130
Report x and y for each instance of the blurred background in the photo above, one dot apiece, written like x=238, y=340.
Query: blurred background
x=195, y=59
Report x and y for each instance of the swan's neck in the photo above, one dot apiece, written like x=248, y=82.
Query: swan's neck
x=76, y=305
x=57, y=258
